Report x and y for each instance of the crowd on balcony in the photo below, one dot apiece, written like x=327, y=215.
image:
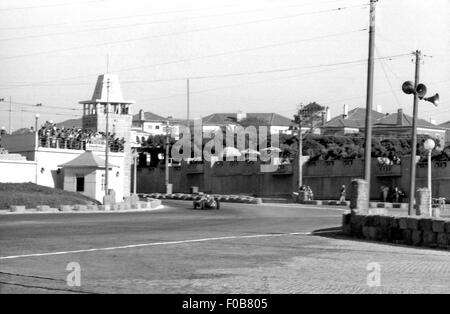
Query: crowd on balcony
x=49, y=135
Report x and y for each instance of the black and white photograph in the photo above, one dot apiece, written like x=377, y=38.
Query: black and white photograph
x=224, y=155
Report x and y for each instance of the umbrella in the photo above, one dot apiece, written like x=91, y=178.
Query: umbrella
x=272, y=149
x=250, y=151
x=231, y=152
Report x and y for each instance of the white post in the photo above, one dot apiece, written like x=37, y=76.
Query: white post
x=429, y=183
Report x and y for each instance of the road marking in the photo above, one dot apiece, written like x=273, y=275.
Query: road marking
x=267, y=235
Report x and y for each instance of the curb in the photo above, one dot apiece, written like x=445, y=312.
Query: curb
x=150, y=204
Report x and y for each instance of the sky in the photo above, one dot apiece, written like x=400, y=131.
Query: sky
x=248, y=55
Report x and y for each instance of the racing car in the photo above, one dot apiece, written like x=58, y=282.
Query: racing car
x=207, y=202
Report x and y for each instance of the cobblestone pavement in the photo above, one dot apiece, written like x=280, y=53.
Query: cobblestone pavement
x=261, y=254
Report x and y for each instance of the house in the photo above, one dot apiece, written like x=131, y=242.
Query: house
x=349, y=122
x=446, y=126
x=145, y=124
x=400, y=124
x=396, y=124
x=274, y=121
x=86, y=174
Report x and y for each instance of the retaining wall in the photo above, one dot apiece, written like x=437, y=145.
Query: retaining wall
x=324, y=177
x=411, y=230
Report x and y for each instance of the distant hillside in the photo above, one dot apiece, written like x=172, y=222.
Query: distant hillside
x=70, y=123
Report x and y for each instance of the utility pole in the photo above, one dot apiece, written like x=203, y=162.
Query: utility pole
x=412, y=186
x=135, y=156
x=188, y=103
x=369, y=99
x=10, y=116
x=107, y=140
x=300, y=148
x=167, y=156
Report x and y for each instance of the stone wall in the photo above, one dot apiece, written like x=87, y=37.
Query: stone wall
x=410, y=230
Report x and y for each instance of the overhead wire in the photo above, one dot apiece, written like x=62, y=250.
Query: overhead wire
x=174, y=33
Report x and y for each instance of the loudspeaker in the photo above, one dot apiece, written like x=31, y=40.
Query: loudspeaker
x=434, y=99
x=421, y=91
x=408, y=87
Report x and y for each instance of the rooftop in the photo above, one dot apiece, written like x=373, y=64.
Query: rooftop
x=356, y=119
x=269, y=119
x=401, y=119
x=87, y=160
x=101, y=94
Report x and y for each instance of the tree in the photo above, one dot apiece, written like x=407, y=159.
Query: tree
x=309, y=115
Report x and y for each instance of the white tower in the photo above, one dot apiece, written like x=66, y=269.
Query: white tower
x=108, y=91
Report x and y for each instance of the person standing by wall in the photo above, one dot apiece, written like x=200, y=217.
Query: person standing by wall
x=342, y=194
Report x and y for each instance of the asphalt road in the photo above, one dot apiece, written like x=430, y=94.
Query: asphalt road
x=238, y=249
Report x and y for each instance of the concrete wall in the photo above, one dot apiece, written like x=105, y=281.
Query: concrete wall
x=17, y=171
x=324, y=177
x=222, y=178
x=46, y=163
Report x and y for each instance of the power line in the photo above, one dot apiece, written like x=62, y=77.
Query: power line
x=249, y=83
x=50, y=5
x=134, y=16
x=49, y=113
x=41, y=106
x=381, y=62
x=140, y=24
x=175, y=33
x=225, y=75
x=199, y=57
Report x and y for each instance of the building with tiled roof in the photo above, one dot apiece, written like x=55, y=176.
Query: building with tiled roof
x=395, y=124
x=400, y=124
x=446, y=126
x=87, y=160
x=145, y=124
x=274, y=121
x=349, y=122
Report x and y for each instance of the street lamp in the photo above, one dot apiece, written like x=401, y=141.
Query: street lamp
x=36, y=122
x=429, y=145
x=167, y=130
x=36, y=136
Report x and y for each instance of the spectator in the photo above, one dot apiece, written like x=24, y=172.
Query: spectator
x=72, y=138
x=342, y=193
x=309, y=193
x=384, y=193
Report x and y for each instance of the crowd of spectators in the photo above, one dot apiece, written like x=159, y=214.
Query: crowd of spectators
x=51, y=136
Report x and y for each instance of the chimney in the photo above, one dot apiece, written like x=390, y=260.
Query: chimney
x=345, y=115
x=400, y=117
x=141, y=115
x=241, y=116
x=328, y=114
x=379, y=109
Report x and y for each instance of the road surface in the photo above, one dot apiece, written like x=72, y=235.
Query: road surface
x=269, y=248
